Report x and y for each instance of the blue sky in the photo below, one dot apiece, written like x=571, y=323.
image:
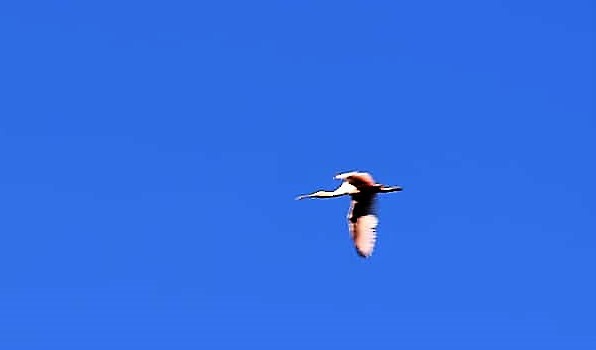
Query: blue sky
x=150, y=153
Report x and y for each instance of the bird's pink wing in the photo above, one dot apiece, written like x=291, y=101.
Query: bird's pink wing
x=364, y=234
x=357, y=178
x=364, y=178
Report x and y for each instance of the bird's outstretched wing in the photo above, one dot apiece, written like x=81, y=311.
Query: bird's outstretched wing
x=363, y=231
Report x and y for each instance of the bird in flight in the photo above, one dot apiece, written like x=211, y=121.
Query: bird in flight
x=362, y=215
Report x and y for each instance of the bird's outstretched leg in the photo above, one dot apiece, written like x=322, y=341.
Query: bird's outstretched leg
x=387, y=189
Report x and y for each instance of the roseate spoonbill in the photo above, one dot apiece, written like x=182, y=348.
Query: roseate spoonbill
x=362, y=215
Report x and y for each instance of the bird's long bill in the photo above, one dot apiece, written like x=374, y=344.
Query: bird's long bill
x=303, y=196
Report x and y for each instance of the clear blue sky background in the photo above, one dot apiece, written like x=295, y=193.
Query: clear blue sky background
x=150, y=153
